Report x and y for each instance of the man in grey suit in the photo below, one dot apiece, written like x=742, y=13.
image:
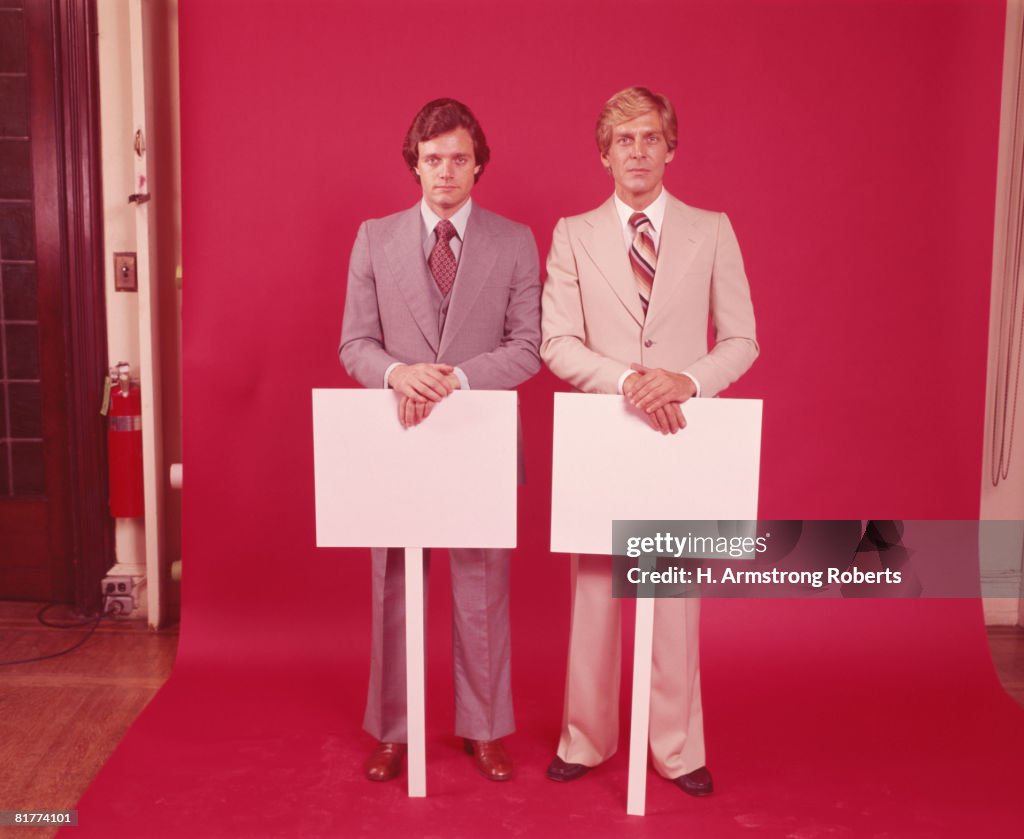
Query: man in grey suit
x=443, y=296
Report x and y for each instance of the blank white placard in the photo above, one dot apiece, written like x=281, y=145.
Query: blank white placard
x=449, y=482
x=609, y=464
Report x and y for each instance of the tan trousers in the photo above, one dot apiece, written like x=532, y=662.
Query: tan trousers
x=590, y=723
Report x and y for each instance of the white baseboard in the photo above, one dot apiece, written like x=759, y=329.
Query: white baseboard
x=1002, y=611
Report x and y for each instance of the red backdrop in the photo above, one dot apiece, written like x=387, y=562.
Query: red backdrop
x=853, y=145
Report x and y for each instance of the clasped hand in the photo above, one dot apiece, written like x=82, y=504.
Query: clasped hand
x=421, y=386
x=658, y=394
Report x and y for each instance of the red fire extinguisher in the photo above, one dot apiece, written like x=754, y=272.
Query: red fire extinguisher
x=124, y=443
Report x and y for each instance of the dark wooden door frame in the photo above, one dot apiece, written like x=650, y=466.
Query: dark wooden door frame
x=76, y=101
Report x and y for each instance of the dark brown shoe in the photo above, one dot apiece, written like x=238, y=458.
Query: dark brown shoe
x=697, y=782
x=559, y=770
x=385, y=762
x=490, y=758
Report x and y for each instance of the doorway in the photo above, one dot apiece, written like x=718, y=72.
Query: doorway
x=55, y=542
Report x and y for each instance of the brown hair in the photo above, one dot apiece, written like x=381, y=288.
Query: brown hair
x=439, y=117
x=629, y=104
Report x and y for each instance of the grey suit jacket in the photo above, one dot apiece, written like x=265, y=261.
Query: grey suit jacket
x=492, y=329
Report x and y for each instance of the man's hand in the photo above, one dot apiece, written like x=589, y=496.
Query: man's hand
x=667, y=418
x=411, y=412
x=421, y=385
x=651, y=390
x=423, y=382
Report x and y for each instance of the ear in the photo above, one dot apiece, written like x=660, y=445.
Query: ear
x=604, y=161
x=670, y=155
x=476, y=171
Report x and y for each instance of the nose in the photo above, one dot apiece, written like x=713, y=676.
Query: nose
x=447, y=169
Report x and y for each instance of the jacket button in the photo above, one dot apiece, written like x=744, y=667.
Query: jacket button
x=648, y=343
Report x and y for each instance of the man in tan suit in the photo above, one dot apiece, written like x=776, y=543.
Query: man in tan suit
x=625, y=309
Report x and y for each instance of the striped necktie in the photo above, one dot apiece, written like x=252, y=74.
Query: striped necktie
x=643, y=257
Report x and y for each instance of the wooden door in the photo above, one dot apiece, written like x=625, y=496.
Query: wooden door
x=40, y=491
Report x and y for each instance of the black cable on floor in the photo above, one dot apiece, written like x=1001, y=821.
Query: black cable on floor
x=92, y=623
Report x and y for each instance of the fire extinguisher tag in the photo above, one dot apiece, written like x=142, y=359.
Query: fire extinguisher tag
x=126, y=423
x=105, y=404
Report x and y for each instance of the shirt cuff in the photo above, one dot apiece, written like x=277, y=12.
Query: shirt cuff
x=622, y=379
x=387, y=373
x=463, y=381
x=693, y=379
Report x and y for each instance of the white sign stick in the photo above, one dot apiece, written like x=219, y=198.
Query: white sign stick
x=640, y=718
x=415, y=674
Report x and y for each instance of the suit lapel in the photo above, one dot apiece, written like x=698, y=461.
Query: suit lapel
x=475, y=263
x=605, y=245
x=678, y=244
x=405, y=257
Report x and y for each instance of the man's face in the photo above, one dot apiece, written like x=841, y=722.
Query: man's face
x=636, y=159
x=447, y=169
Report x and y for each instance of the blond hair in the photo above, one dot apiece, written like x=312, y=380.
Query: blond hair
x=629, y=104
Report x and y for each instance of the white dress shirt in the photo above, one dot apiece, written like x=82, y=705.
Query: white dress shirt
x=655, y=212
x=431, y=220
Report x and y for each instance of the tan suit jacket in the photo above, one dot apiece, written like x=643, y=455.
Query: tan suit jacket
x=592, y=329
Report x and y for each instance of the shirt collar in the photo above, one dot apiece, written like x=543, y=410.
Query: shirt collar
x=655, y=211
x=431, y=219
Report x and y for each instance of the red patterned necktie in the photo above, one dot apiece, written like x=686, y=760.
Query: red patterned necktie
x=643, y=257
x=442, y=259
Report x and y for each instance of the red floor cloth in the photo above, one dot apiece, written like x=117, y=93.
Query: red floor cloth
x=867, y=719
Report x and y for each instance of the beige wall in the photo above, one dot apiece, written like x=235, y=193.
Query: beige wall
x=1003, y=498
x=118, y=164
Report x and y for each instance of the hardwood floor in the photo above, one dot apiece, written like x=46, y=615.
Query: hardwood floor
x=1006, y=643
x=61, y=718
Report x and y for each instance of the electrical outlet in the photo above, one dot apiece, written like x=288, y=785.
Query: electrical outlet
x=118, y=596
x=118, y=607
x=117, y=585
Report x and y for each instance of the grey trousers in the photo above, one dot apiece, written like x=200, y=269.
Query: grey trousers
x=481, y=644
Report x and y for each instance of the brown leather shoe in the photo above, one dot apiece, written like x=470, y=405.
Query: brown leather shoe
x=559, y=770
x=385, y=762
x=490, y=758
x=697, y=782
